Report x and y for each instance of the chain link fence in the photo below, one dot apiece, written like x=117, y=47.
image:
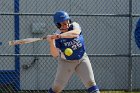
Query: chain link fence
x=107, y=26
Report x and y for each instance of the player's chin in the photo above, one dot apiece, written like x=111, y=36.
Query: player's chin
x=64, y=30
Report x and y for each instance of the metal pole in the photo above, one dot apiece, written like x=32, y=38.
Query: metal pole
x=17, y=49
x=130, y=49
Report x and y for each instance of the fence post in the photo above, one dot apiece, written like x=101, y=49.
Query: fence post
x=130, y=49
x=17, y=49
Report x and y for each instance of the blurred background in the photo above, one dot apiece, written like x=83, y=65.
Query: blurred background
x=107, y=26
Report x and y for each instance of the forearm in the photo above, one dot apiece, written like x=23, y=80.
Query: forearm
x=70, y=34
x=53, y=50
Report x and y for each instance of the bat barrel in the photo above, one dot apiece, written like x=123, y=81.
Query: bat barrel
x=25, y=41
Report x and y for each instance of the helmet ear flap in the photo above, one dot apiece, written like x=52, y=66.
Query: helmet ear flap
x=58, y=25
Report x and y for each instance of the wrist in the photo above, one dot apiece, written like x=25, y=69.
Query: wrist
x=58, y=36
x=51, y=41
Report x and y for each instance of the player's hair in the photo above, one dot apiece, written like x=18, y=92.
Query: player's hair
x=59, y=25
x=61, y=16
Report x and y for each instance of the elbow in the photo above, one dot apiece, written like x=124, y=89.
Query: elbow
x=55, y=55
x=77, y=32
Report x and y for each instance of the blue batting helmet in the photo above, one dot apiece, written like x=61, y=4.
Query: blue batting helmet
x=60, y=16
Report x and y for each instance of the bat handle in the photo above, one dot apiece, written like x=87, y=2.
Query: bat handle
x=44, y=38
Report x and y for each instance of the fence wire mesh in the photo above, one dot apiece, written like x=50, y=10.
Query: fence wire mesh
x=107, y=25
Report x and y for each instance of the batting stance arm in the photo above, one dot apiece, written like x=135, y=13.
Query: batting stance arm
x=71, y=34
x=53, y=50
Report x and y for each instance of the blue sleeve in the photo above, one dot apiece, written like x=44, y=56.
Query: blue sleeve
x=137, y=34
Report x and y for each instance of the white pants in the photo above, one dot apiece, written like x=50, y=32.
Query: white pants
x=66, y=68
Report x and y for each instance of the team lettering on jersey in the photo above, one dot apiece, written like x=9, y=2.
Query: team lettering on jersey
x=74, y=44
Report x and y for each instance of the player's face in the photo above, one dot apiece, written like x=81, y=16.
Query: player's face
x=64, y=26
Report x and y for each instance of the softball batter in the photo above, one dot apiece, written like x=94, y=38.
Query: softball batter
x=69, y=36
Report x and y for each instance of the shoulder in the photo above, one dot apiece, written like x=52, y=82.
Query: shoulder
x=75, y=24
